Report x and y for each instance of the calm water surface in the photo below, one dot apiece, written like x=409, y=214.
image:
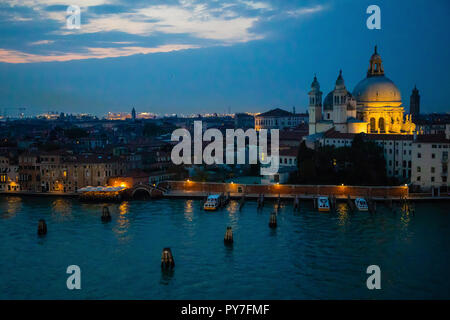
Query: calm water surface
x=310, y=255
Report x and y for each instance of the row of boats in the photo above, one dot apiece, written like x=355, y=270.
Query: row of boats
x=215, y=201
x=323, y=204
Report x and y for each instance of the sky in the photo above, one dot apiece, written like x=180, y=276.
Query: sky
x=187, y=56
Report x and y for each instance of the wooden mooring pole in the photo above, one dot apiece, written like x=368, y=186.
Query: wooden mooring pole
x=242, y=202
x=297, y=203
x=273, y=220
x=350, y=204
x=261, y=201
x=42, y=227
x=167, y=261
x=106, y=216
x=228, y=239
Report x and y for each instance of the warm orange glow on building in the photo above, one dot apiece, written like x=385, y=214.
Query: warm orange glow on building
x=121, y=182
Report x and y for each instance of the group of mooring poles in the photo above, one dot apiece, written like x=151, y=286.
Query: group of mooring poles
x=261, y=197
x=42, y=225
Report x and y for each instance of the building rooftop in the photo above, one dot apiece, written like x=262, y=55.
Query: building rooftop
x=279, y=113
x=333, y=134
x=430, y=138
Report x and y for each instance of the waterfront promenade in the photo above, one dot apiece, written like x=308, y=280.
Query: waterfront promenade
x=199, y=190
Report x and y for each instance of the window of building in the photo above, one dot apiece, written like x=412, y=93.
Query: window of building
x=418, y=178
x=432, y=179
x=419, y=155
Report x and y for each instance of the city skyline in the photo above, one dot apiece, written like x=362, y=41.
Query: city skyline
x=247, y=56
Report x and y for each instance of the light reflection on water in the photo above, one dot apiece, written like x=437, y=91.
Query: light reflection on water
x=62, y=209
x=123, y=222
x=343, y=213
x=309, y=255
x=13, y=205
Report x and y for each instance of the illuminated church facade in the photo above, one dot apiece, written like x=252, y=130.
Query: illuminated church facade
x=374, y=106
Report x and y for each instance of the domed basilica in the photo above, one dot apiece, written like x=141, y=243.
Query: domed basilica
x=374, y=106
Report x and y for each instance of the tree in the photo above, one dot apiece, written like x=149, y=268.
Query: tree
x=362, y=163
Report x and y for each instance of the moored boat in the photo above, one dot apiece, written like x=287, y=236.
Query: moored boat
x=212, y=202
x=361, y=204
x=323, y=204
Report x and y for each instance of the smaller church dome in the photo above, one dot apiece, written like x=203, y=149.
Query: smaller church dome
x=328, y=101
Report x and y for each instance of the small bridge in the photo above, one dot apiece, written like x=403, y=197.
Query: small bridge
x=146, y=190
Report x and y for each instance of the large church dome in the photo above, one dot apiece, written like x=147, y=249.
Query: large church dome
x=376, y=90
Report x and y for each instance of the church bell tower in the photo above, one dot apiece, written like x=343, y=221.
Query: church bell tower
x=315, y=105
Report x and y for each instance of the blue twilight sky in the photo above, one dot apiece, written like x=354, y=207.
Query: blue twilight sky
x=186, y=56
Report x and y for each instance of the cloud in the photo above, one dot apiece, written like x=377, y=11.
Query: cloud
x=257, y=5
x=48, y=3
x=187, y=23
x=196, y=20
x=41, y=42
x=15, y=56
x=304, y=11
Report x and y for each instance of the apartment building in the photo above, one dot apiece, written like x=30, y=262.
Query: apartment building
x=397, y=150
x=430, y=162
